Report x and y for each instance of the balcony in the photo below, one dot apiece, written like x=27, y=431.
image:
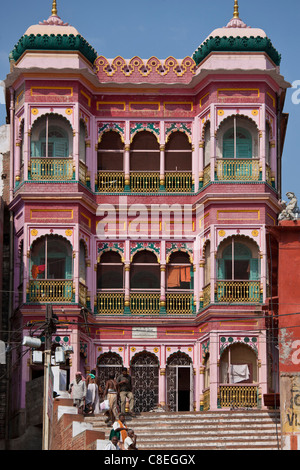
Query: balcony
x=110, y=303
x=179, y=303
x=237, y=169
x=144, y=182
x=51, y=169
x=238, y=291
x=50, y=291
x=245, y=396
x=145, y=304
x=178, y=182
x=110, y=181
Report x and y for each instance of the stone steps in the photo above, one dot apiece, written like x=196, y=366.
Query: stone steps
x=231, y=430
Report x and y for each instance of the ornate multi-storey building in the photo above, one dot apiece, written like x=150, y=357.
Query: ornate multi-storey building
x=141, y=191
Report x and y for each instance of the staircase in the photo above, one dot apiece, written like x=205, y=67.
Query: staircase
x=211, y=430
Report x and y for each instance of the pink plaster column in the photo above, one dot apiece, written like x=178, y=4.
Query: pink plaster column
x=76, y=259
x=213, y=275
x=126, y=165
x=26, y=143
x=162, y=165
x=75, y=342
x=263, y=263
x=163, y=277
x=18, y=161
x=262, y=142
x=201, y=163
x=197, y=377
x=262, y=366
x=76, y=134
x=201, y=387
x=162, y=378
x=212, y=143
x=214, y=370
x=127, y=276
x=195, y=167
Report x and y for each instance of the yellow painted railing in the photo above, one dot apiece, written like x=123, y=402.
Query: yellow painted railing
x=145, y=304
x=236, y=169
x=50, y=291
x=82, y=172
x=110, y=303
x=238, y=395
x=179, y=304
x=238, y=291
x=110, y=181
x=144, y=181
x=206, y=400
x=51, y=169
x=206, y=175
x=178, y=182
x=206, y=295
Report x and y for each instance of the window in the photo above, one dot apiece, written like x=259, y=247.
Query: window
x=110, y=271
x=179, y=271
x=51, y=258
x=51, y=138
x=110, y=152
x=238, y=261
x=144, y=152
x=178, y=153
x=145, y=271
x=237, y=137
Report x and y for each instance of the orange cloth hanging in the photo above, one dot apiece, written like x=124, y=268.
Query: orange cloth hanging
x=178, y=274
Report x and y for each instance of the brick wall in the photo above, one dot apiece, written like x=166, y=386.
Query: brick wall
x=61, y=432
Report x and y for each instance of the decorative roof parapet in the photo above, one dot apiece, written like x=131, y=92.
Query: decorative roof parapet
x=52, y=42
x=236, y=44
x=151, y=70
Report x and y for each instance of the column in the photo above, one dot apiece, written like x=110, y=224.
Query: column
x=162, y=378
x=163, y=278
x=162, y=167
x=213, y=159
x=214, y=371
x=201, y=164
x=76, y=140
x=262, y=140
x=262, y=366
x=17, y=162
x=126, y=166
x=127, y=278
x=76, y=264
x=197, y=377
x=213, y=275
x=195, y=156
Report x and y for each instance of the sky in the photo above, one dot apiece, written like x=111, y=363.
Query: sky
x=164, y=28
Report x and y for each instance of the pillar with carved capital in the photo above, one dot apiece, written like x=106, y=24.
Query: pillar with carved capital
x=201, y=164
x=262, y=145
x=18, y=162
x=213, y=149
x=201, y=387
x=214, y=370
x=127, y=289
x=127, y=166
x=163, y=289
x=162, y=168
x=201, y=282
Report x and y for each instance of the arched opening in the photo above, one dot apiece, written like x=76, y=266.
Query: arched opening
x=144, y=162
x=110, y=271
x=145, y=375
x=238, y=268
x=108, y=363
x=51, y=270
x=145, y=271
x=180, y=382
x=110, y=162
x=179, y=272
x=238, y=374
x=178, y=163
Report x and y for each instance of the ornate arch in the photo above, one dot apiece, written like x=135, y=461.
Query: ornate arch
x=152, y=127
x=51, y=235
x=238, y=237
x=104, y=127
x=104, y=247
x=179, y=247
x=185, y=128
x=182, y=356
x=206, y=123
x=247, y=341
x=243, y=116
x=108, y=358
x=144, y=355
x=57, y=115
x=140, y=246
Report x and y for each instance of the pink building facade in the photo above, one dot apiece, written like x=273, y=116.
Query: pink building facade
x=141, y=192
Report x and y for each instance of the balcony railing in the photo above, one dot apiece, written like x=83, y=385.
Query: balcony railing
x=178, y=182
x=236, y=169
x=110, y=303
x=50, y=290
x=238, y=291
x=206, y=175
x=144, y=181
x=206, y=295
x=238, y=395
x=179, y=304
x=51, y=169
x=145, y=304
x=110, y=181
x=83, y=294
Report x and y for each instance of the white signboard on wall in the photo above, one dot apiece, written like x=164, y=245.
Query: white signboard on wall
x=144, y=333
